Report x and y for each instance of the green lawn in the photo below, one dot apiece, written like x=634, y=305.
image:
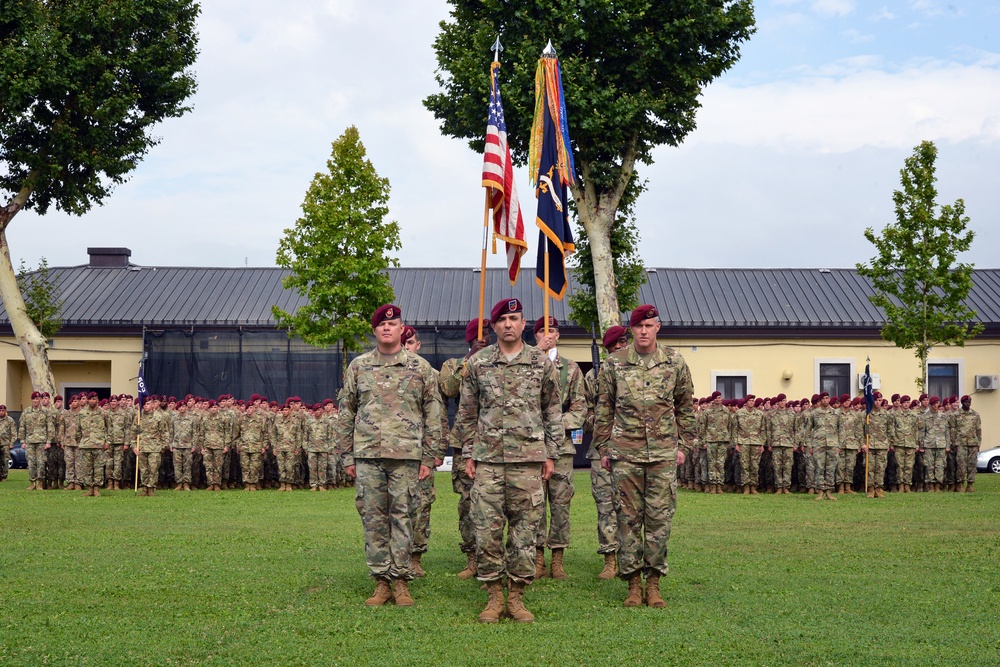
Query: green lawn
x=239, y=578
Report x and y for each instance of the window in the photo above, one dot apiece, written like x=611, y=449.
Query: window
x=731, y=386
x=942, y=380
x=835, y=379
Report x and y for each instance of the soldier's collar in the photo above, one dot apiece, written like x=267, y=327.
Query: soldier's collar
x=380, y=359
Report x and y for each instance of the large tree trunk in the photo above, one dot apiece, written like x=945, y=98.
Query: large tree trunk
x=33, y=345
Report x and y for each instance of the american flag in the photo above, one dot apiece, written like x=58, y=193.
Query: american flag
x=498, y=178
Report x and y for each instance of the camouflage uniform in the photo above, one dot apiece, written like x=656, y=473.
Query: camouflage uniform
x=92, y=437
x=880, y=437
x=55, y=460
x=748, y=433
x=255, y=437
x=66, y=430
x=215, y=438
x=780, y=437
x=428, y=494
x=559, y=487
x=390, y=425
x=187, y=429
x=967, y=438
x=157, y=434
x=716, y=430
x=121, y=435
x=807, y=464
x=509, y=422
x=824, y=446
x=852, y=438
x=907, y=426
x=600, y=480
x=936, y=437
x=644, y=408
x=34, y=430
x=8, y=434
x=287, y=438
x=318, y=448
x=450, y=381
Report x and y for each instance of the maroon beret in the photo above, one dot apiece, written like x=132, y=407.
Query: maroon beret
x=877, y=394
x=504, y=306
x=716, y=394
x=914, y=404
x=780, y=397
x=845, y=397
x=253, y=397
x=327, y=401
x=211, y=403
x=824, y=394
x=923, y=396
x=935, y=400
x=91, y=394
x=749, y=396
x=58, y=398
x=966, y=398
x=904, y=398
x=408, y=333
x=759, y=402
x=644, y=312
x=103, y=402
x=540, y=324
x=856, y=401
x=895, y=397
x=472, y=329
x=3, y=407
x=45, y=394
x=386, y=312
x=613, y=335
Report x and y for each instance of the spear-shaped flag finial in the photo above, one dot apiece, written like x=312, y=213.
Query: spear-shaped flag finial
x=549, y=50
x=497, y=49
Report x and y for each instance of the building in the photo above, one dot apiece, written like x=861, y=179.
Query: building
x=760, y=331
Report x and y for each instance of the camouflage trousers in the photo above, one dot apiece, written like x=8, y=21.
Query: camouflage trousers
x=607, y=511
x=35, y=453
x=462, y=485
x=386, y=493
x=182, y=465
x=113, y=462
x=934, y=466
x=876, y=467
x=558, y=497
x=685, y=472
x=845, y=466
x=717, y=462
x=809, y=461
x=317, y=468
x=750, y=463
x=149, y=467
x=647, y=499
x=422, y=515
x=4, y=455
x=966, y=464
x=701, y=465
x=783, y=459
x=825, y=461
x=213, y=465
x=55, y=465
x=250, y=463
x=511, y=495
x=950, y=466
x=71, y=456
x=905, y=461
x=286, y=466
x=90, y=467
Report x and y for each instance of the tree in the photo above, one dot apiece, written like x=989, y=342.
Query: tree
x=41, y=298
x=918, y=282
x=83, y=82
x=632, y=72
x=337, y=251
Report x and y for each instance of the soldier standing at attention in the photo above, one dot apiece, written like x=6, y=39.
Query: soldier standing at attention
x=716, y=428
x=317, y=447
x=186, y=433
x=510, y=424
x=155, y=434
x=615, y=338
x=255, y=437
x=644, y=410
x=8, y=434
x=92, y=438
x=215, y=439
x=880, y=436
x=968, y=437
x=450, y=381
x=559, y=487
x=388, y=432
x=748, y=437
x=71, y=451
x=780, y=437
x=824, y=443
x=34, y=430
x=936, y=437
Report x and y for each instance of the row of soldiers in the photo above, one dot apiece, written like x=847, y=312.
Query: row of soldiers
x=188, y=442
x=817, y=445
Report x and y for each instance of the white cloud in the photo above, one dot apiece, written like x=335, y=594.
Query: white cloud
x=857, y=37
x=829, y=8
x=883, y=14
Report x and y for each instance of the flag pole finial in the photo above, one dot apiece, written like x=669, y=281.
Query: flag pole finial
x=549, y=50
x=497, y=48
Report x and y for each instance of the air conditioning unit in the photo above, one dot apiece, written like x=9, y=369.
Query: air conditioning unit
x=987, y=382
x=876, y=382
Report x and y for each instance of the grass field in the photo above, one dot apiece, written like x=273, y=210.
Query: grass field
x=237, y=578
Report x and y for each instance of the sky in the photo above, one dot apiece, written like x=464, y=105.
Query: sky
x=797, y=151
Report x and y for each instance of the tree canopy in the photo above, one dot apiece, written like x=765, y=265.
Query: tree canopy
x=919, y=282
x=633, y=72
x=338, y=250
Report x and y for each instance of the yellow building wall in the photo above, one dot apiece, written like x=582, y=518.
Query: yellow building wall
x=76, y=361
x=767, y=363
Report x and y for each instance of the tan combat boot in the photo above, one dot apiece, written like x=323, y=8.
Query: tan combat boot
x=323, y=487
x=634, y=597
x=848, y=490
x=97, y=491
x=415, y=567
x=142, y=492
x=151, y=491
x=401, y=592
x=90, y=491
x=653, y=597
x=187, y=487
x=540, y=572
x=31, y=487
x=880, y=492
x=746, y=489
x=610, y=570
x=699, y=487
x=820, y=496
x=969, y=489
x=470, y=566
x=515, y=605
x=830, y=496
x=494, y=606
x=957, y=488
x=871, y=492
x=753, y=490
x=381, y=595
x=179, y=487
x=557, y=571
x=314, y=488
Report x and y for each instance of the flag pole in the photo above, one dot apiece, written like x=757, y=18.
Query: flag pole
x=482, y=267
x=138, y=437
x=545, y=292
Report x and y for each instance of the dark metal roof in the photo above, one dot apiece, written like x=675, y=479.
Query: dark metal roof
x=688, y=299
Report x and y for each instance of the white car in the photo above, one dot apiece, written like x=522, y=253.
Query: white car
x=989, y=460
x=446, y=465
